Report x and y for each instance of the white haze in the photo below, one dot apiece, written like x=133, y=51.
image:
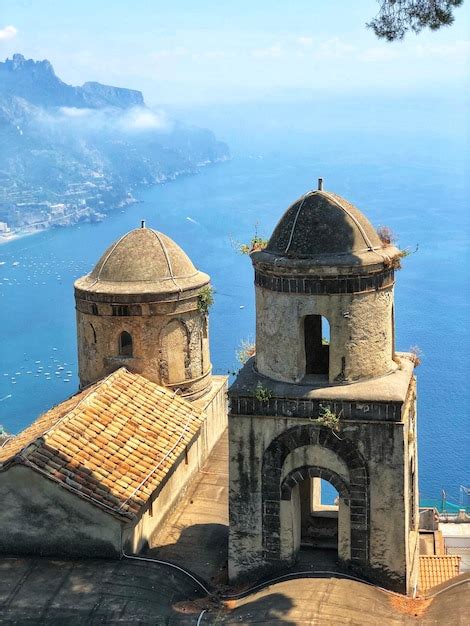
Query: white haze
x=131, y=121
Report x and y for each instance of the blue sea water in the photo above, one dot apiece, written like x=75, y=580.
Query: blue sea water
x=415, y=183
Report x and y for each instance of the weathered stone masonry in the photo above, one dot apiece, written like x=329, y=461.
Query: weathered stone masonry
x=324, y=341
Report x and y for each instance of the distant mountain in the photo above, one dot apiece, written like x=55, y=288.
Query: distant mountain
x=71, y=153
x=36, y=82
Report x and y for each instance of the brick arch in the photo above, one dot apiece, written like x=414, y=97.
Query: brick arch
x=300, y=474
x=273, y=461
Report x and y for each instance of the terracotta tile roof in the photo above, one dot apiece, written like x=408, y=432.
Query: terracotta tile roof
x=434, y=570
x=113, y=443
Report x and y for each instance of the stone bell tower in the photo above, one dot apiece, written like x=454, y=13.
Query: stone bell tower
x=143, y=307
x=325, y=397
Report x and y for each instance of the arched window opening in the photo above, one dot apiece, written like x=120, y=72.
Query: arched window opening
x=317, y=345
x=94, y=309
x=125, y=344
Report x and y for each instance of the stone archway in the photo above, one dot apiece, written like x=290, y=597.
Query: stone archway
x=273, y=491
x=301, y=525
x=296, y=476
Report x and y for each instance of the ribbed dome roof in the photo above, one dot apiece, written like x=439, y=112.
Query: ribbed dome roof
x=322, y=224
x=143, y=260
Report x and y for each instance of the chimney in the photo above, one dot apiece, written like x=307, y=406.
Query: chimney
x=320, y=184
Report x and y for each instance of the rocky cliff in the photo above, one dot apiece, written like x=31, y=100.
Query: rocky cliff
x=69, y=153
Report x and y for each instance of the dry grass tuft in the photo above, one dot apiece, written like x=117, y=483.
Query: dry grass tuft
x=246, y=350
x=416, y=355
x=386, y=235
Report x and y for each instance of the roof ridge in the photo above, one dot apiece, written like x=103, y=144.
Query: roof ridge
x=291, y=236
x=167, y=256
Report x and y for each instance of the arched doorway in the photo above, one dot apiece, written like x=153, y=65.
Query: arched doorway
x=280, y=538
x=314, y=533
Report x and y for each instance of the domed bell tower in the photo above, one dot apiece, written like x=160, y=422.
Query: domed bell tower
x=143, y=307
x=326, y=398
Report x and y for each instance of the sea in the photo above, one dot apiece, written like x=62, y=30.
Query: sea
x=411, y=177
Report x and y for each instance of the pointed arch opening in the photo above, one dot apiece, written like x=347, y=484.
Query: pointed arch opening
x=125, y=344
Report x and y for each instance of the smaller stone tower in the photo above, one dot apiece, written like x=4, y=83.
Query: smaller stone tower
x=142, y=307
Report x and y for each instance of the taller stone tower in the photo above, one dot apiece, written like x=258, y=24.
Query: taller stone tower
x=143, y=307
x=325, y=397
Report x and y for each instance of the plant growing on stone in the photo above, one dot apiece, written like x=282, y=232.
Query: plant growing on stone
x=396, y=260
x=255, y=244
x=205, y=299
x=262, y=393
x=416, y=355
x=246, y=350
x=327, y=419
x=386, y=235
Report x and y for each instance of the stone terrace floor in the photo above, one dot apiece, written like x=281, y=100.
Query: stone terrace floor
x=195, y=535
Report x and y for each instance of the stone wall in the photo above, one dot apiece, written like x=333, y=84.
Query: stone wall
x=40, y=517
x=170, y=343
x=361, y=333
x=372, y=459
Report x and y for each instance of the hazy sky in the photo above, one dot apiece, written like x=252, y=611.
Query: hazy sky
x=211, y=51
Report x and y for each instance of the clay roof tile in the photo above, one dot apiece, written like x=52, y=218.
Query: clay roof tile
x=114, y=456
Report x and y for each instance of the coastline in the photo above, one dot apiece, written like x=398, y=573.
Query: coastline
x=20, y=234
x=89, y=215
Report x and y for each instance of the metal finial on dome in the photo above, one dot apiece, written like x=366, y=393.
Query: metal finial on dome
x=320, y=184
x=142, y=223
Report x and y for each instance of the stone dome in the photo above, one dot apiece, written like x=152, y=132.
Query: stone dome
x=143, y=261
x=323, y=227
